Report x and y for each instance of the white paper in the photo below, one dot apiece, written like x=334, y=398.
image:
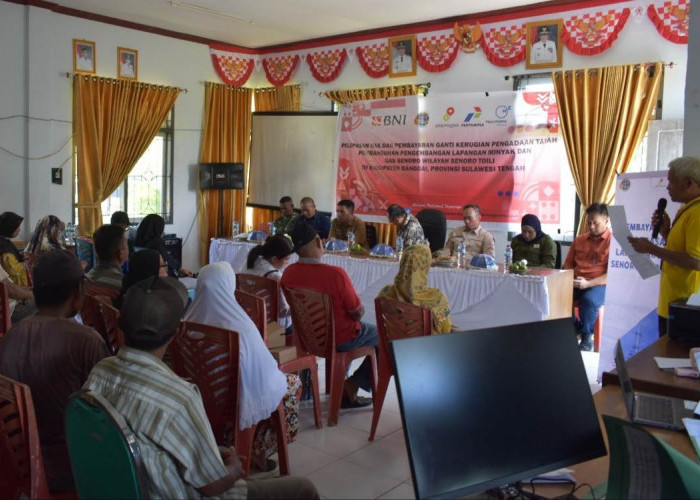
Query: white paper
x=694, y=300
x=671, y=363
x=620, y=230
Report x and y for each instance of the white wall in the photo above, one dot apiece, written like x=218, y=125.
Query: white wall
x=691, y=145
x=37, y=52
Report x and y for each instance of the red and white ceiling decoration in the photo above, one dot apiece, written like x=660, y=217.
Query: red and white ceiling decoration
x=586, y=32
x=374, y=59
x=504, y=46
x=594, y=32
x=437, y=53
x=279, y=69
x=325, y=65
x=671, y=20
x=232, y=68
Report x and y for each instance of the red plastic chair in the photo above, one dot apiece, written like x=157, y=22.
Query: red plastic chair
x=266, y=288
x=114, y=336
x=5, y=316
x=597, y=326
x=395, y=320
x=22, y=471
x=255, y=307
x=312, y=317
x=92, y=316
x=209, y=357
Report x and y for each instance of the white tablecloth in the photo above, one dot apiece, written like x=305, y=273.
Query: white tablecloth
x=478, y=299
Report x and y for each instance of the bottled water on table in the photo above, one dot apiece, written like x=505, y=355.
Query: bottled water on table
x=461, y=255
x=508, y=258
x=69, y=234
x=399, y=244
x=351, y=237
x=273, y=229
x=235, y=228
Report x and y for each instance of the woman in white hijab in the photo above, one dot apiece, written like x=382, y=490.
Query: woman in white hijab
x=262, y=384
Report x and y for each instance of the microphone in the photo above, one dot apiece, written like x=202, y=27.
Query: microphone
x=660, y=208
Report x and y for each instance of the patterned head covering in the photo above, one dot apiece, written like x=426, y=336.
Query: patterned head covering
x=410, y=285
x=47, y=235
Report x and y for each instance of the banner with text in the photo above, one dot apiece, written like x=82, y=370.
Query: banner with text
x=630, y=301
x=501, y=150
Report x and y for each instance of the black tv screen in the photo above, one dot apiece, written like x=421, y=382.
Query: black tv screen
x=489, y=407
x=221, y=176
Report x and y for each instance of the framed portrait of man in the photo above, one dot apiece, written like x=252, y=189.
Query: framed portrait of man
x=84, y=56
x=543, y=47
x=127, y=63
x=403, y=56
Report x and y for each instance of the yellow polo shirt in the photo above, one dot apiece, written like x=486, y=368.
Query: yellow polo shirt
x=676, y=281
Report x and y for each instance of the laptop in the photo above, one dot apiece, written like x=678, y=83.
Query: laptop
x=649, y=409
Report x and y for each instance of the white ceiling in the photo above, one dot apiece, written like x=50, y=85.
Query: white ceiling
x=263, y=23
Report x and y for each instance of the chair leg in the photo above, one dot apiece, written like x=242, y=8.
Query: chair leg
x=279, y=424
x=316, y=396
x=378, y=401
x=244, y=447
x=338, y=369
x=328, y=376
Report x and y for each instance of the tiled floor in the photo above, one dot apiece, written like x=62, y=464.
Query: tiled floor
x=342, y=463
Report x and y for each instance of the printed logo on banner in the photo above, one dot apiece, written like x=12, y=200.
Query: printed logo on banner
x=448, y=114
x=422, y=119
x=388, y=120
x=625, y=184
x=475, y=115
x=502, y=111
x=353, y=114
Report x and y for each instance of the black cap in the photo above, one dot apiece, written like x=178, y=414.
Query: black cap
x=152, y=310
x=302, y=234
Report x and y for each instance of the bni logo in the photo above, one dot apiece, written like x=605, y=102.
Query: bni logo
x=476, y=114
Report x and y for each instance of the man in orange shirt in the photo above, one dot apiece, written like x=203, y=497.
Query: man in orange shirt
x=588, y=257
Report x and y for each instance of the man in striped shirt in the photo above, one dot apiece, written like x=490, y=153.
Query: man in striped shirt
x=166, y=413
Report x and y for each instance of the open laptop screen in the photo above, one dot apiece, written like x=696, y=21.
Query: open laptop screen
x=488, y=407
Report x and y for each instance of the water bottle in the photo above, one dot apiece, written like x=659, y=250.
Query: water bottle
x=273, y=229
x=351, y=237
x=509, y=258
x=399, y=245
x=235, y=228
x=461, y=255
x=69, y=234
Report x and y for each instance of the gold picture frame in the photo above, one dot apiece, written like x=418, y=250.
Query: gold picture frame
x=84, y=56
x=402, y=56
x=127, y=63
x=544, y=46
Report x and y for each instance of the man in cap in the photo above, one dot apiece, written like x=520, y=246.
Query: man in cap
x=350, y=333
x=53, y=354
x=166, y=412
x=544, y=50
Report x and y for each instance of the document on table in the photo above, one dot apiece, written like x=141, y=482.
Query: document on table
x=669, y=364
x=693, y=427
x=620, y=230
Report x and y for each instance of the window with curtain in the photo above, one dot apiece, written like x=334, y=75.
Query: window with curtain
x=148, y=189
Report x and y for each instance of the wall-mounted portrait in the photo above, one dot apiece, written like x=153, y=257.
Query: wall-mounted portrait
x=84, y=56
x=403, y=56
x=127, y=63
x=543, y=48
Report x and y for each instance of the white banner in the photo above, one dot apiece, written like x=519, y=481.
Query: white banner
x=630, y=301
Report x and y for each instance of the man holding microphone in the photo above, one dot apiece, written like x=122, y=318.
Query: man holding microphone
x=680, y=268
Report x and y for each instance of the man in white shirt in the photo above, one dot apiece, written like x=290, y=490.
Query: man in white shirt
x=127, y=66
x=402, y=62
x=545, y=50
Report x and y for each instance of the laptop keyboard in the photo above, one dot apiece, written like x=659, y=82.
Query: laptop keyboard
x=655, y=409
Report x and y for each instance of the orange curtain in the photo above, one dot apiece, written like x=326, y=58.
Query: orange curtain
x=225, y=138
x=386, y=233
x=286, y=98
x=604, y=114
x=349, y=95
x=114, y=122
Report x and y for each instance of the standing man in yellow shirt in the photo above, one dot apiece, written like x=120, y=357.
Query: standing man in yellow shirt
x=680, y=269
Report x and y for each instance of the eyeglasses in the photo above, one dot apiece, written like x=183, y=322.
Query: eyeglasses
x=163, y=266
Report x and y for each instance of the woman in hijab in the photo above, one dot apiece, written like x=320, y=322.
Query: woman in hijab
x=150, y=235
x=533, y=245
x=47, y=235
x=262, y=384
x=268, y=260
x=410, y=285
x=10, y=258
x=142, y=264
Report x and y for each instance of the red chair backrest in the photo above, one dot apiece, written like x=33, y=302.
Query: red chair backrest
x=399, y=320
x=312, y=318
x=5, y=316
x=92, y=316
x=208, y=357
x=267, y=288
x=114, y=336
x=21, y=464
x=254, y=307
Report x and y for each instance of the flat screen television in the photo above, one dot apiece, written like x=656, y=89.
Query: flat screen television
x=221, y=176
x=489, y=407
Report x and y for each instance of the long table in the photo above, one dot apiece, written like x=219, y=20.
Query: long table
x=478, y=299
x=647, y=377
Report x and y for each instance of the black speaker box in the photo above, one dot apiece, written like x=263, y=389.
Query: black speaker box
x=221, y=176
